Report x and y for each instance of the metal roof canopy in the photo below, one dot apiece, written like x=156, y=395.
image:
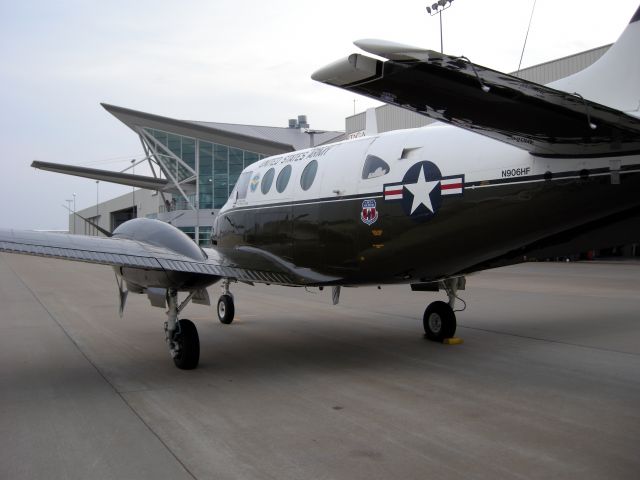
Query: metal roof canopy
x=260, y=139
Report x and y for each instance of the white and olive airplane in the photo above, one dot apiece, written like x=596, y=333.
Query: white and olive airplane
x=521, y=170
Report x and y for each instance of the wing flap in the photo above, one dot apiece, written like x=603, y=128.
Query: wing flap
x=527, y=115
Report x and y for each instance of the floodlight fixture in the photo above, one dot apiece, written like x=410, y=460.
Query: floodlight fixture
x=437, y=8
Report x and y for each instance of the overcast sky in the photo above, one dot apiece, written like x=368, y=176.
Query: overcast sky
x=225, y=61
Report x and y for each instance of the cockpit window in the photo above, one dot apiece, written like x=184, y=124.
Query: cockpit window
x=283, y=179
x=374, y=167
x=243, y=185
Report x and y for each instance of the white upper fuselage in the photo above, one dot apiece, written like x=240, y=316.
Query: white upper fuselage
x=612, y=81
x=456, y=152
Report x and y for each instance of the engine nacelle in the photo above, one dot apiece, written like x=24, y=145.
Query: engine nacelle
x=161, y=234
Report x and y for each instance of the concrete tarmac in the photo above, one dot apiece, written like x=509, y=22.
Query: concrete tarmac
x=546, y=384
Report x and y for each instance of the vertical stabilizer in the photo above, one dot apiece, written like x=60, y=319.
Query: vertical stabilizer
x=614, y=80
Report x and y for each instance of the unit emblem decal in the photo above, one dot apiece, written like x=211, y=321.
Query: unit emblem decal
x=254, y=182
x=369, y=213
x=421, y=190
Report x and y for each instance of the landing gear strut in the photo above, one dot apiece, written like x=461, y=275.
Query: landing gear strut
x=181, y=335
x=226, y=309
x=439, y=318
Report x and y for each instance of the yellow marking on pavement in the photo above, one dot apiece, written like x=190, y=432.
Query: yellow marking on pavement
x=453, y=341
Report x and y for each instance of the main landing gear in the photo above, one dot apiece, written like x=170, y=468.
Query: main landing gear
x=226, y=309
x=181, y=335
x=439, y=318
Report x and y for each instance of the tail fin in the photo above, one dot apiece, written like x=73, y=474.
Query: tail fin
x=613, y=80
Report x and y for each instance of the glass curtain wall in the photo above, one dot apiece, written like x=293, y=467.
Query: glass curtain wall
x=219, y=166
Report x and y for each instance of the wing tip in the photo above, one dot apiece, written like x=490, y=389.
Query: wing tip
x=354, y=68
x=394, y=50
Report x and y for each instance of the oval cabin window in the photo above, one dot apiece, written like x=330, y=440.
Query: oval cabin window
x=283, y=179
x=267, y=181
x=309, y=174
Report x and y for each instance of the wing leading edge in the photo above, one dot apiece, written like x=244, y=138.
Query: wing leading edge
x=541, y=120
x=122, y=252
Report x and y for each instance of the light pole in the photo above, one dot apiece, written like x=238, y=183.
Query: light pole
x=133, y=166
x=438, y=8
x=97, y=207
x=74, y=213
x=312, y=138
x=70, y=212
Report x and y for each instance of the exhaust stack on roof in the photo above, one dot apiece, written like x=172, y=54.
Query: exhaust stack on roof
x=300, y=122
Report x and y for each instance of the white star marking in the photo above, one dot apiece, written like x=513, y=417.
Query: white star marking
x=421, y=191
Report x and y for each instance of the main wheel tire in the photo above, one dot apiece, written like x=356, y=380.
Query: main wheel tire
x=439, y=321
x=226, y=309
x=188, y=342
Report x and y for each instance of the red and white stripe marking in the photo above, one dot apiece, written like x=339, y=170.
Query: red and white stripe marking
x=393, y=192
x=448, y=186
x=451, y=186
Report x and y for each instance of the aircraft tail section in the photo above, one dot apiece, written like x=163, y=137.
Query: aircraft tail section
x=613, y=80
x=594, y=113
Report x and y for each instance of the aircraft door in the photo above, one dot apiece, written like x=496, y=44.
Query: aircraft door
x=385, y=159
x=306, y=212
x=272, y=214
x=340, y=209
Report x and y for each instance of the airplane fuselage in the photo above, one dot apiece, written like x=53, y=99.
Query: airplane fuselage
x=420, y=205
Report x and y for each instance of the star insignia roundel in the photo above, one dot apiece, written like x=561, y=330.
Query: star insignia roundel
x=422, y=189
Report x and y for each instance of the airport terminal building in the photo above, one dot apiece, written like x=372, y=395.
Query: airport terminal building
x=199, y=162
x=196, y=164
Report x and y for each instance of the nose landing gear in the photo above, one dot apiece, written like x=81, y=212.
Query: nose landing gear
x=226, y=309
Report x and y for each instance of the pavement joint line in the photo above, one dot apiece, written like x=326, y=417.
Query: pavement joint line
x=95, y=367
x=579, y=345
x=560, y=342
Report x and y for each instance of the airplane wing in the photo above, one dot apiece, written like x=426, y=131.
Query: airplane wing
x=122, y=252
x=541, y=120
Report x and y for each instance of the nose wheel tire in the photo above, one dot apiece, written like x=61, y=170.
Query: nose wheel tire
x=226, y=309
x=187, y=343
x=439, y=321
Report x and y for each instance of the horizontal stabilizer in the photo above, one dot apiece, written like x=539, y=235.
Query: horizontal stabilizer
x=527, y=115
x=138, y=181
